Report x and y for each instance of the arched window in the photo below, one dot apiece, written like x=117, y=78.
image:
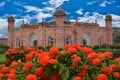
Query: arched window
x=18, y=42
x=50, y=40
x=87, y=39
x=68, y=40
x=101, y=40
x=32, y=40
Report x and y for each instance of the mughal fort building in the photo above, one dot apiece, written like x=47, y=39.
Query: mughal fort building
x=59, y=32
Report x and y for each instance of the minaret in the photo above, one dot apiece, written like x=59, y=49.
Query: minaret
x=108, y=21
x=59, y=16
x=11, y=22
x=108, y=25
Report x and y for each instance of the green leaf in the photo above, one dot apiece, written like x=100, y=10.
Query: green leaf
x=65, y=75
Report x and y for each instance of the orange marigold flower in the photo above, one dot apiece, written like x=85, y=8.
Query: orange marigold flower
x=108, y=54
x=54, y=77
x=40, y=51
x=118, y=66
x=25, y=68
x=77, y=78
x=11, y=76
x=29, y=64
x=75, y=61
x=112, y=66
x=39, y=71
x=75, y=46
x=87, y=50
x=53, y=50
x=43, y=77
x=33, y=52
x=83, y=71
x=96, y=61
x=13, y=71
x=53, y=61
x=100, y=55
x=85, y=67
x=44, y=54
x=67, y=46
x=92, y=55
x=117, y=59
x=14, y=64
x=1, y=76
x=31, y=77
x=4, y=70
x=44, y=59
x=71, y=50
x=116, y=74
x=77, y=58
x=51, y=56
x=106, y=70
x=29, y=56
x=102, y=77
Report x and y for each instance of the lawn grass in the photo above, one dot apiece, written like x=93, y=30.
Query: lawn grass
x=2, y=58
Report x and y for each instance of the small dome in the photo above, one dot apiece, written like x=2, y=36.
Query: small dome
x=59, y=12
x=10, y=18
x=108, y=16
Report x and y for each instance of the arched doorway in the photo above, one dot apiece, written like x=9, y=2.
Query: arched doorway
x=87, y=39
x=68, y=40
x=35, y=43
x=84, y=42
x=32, y=40
x=50, y=40
x=101, y=40
x=18, y=42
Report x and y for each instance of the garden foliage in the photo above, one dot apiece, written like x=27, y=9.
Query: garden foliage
x=74, y=62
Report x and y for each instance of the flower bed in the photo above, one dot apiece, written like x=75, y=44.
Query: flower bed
x=72, y=63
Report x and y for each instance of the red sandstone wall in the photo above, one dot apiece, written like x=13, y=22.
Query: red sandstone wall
x=3, y=41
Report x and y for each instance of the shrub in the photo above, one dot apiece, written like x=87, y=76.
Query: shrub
x=96, y=47
x=71, y=63
x=103, y=50
x=116, y=53
x=3, y=48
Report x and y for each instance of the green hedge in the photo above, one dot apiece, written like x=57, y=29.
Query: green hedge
x=3, y=48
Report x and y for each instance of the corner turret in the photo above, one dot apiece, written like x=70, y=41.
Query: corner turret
x=108, y=21
x=11, y=22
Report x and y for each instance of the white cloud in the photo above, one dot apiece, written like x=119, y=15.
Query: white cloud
x=51, y=6
x=91, y=17
x=80, y=11
x=105, y=3
x=18, y=22
x=2, y=4
x=42, y=15
x=91, y=3
x=3, y=22
x=43, y=12
x=116, y=20
x=3, y=28
x=55, y=3
x=39, y=13
x=48, y=9
x=32, y=8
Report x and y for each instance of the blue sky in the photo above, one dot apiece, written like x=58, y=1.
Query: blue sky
x=32, y=11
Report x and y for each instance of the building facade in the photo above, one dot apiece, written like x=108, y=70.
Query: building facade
x=59, y=32
x=3, y=41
